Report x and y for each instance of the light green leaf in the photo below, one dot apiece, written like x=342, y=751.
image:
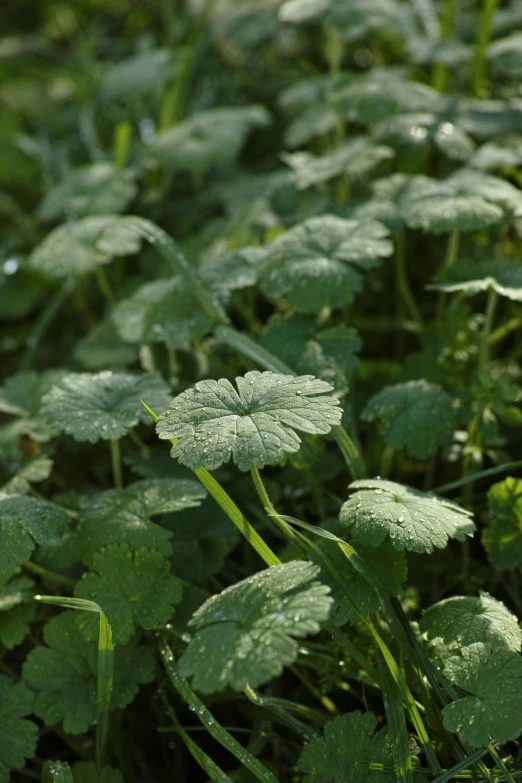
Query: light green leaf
x=123, y=515
x=63, y=674
x=21, y=396
x=417, y=416
x=493, y=189
x=359, y=18
x=133, y=587
x=56, y=772
x=506, y=56
x=504, y=276
x=254, y=426
x=104, y=405
x=16, y=610
x=298, y=11
x=99, y=189
x=485, y=119
x=416, y=136
x=137, y=75
x=18, y=736
x=102, y=348
x=492, y=676
x=24, y=521
x=502, y=538
x=249, y=628
x=74, y=249
x=464, y=620
x=413, y=520
x=211, y=138
x=505, y=152
x=32, y=472
x=165, y=311
x=319, y=262
x=233, y=271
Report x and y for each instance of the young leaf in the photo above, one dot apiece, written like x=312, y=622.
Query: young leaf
x=123, y=515
x=24, y=521
x=104, y=405
x=18, y=736
x=250, y=626
x=63, y=674
x=464, y=620
x=417, y=416
x=336, y=760
x=413, y=520
x=16, y=610
x=133, y=587
x=504, y=276
x=255, y=425
x=21, y=396
x=318, y=263
x=75, y=249
x=502, y=538
x=492, y=676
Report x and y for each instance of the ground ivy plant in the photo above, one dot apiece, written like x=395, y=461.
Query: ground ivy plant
x=260, y=420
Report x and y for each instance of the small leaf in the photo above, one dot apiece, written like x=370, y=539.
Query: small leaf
x=464, y=620
x=249, y=627
x=504, y=276
x=102, y=347
x=298, y=11
x=123, y=515
x=413, y=520
x=137, y=75
x=63, y=674
x=505, y=152
x=506, y=56
x=319, y=262
x=16, y=610
x=417, y=416
x=133, y=587
x=103, y=405
x=18, y=736
x=56, y=772
x=502, y=538
x=416, y=136
x=493, y=711
x=256, y=426
x=21, y=396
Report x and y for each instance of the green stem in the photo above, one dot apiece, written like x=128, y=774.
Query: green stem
x=121, y=143
x=105, y=286
x=281, y=709
x=386, y=461
x=267, y=504
x=351, y=650
x=135, y=438
x=214, y=728
x=484, y=33
x=507, y=466
x=452, y=254
x=403, y=282
x=504, y=330
x=486, y=331
x=440, y=71
x=50, y=575
x=44, y=321
x=116, y=463
x=500, y=764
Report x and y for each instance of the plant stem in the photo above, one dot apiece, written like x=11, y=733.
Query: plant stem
x=486, y=331
x=50, y=575
x=44, y=321
x=452, y=253
x=267, y=504
x=403, y=282
x=116, y=463
x=121, y=143
x=135, y=438
x=507, y=466
x=440, y=71
x=504, y=330
x=281, y=709
x=484, y=33
x=105, y=286
x=386, y=461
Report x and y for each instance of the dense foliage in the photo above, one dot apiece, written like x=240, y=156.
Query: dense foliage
x=285, y=238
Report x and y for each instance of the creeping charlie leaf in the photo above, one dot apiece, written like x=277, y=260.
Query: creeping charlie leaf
x=24, y=521
x=417, y=416
x=244, y=635
x=319, y=263
x=63, y=674
x=133, y=587
x=504, y=276
x=502, y=538
x=255, y=425
x=122, y=516
x=413, y=520
x=90, y=406
x=18, y=737
x=465, y=619
x=21, y=396
x=492, y=675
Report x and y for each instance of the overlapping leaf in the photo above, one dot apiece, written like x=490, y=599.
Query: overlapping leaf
x=502, y=538
x=255, y=425
x=413, y=520
x=21, y=396
x=502, y=276
x=251, y=627
x=18, y=736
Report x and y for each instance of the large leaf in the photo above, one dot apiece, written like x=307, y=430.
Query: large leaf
x=63, y=674
x=504, y=276
x=123, y=515
x=99, y=189
x=250, y=627
x=104, y=405
x=492, y=676
x=417, y=416
x=413, y=520
x=18, y=736
x=255, y=425
x=502, y=538
x=318, y=263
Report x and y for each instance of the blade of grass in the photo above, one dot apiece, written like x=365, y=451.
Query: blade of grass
x=507, y=466
x=396, y=726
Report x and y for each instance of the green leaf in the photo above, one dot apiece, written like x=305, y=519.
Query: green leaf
x=140, y=74
x=502, y=538
x=504, y=276
x=348, y=746
x=63, y=674
x=254, y=426
x=33, y=471
x=232, y=271
x=319, y=262
x=417, y=416
x=505, y=152
x=485, y=119
x=24, y=521
x=493, y=189
x=329, y=354
x=298, y=11
x=56, y=772
x=464, y=620
x=86, y=772
x=360, y=18
x=413, y=520
x=133, y=587
x=123, y=515
x=165, y=311
x=250, y=626
x=416, y=136
x=104, y=405
x=355, y=159
x=16, y=610
x=102, y=347
x=18, y=737
x=74, y=249
x=211, y=138
x=506, y=56
x=492, y=676
x=21, y=396
x=99, y=189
